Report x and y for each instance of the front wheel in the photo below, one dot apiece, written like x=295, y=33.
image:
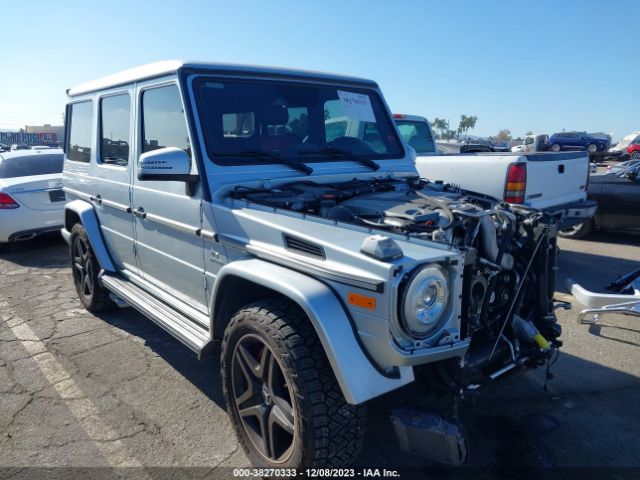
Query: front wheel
x=577, y=231
x=85, y=269
x=636, y=155
x=282, y=397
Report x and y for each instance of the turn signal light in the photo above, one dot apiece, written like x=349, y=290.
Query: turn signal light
x=6, y=202
x=514, y=190
x=362, y=301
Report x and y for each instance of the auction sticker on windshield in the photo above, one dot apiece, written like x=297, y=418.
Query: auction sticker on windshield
x=357, y=106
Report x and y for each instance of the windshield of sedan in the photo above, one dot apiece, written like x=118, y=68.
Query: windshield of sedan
x=293, y=122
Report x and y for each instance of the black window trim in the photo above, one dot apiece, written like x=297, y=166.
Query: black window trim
x=70, y=126
x=99, y=161
x=204, y=76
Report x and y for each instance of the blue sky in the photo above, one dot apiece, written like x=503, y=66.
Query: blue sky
x=542, y=65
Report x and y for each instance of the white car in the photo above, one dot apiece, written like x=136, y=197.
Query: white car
x=31, y=195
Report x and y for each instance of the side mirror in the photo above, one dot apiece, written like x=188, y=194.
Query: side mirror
x=166, y=164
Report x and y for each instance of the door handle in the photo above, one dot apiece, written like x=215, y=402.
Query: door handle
x=97, y=199
x=139, y=212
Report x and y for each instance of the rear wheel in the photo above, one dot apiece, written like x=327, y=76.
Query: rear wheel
x=592, y=148
x=578, y=231
x=555, y=147
x=85, y=268
x=283, y=399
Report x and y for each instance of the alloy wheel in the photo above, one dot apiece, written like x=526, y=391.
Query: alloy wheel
x=82, y=266
x=263, y=399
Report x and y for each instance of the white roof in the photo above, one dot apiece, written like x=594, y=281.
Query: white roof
x=168, y=67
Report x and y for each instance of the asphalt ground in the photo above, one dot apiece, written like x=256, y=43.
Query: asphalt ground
x=114, y=396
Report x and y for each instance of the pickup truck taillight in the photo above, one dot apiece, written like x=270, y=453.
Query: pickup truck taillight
x=6, y=202
x=516, y=185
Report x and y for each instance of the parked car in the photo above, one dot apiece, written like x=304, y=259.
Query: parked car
x=553, y=182
x=324, y=271
x=19, y=146
x=577, y=140
x=31, y=196
x=533, y=143
x=618, y=197
x=629, y=144
x=4, y=148
x=611, y=169
x=417, y=133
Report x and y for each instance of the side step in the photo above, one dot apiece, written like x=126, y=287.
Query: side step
x=188, y=332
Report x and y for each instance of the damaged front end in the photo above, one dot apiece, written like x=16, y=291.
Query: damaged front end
x=508, y=280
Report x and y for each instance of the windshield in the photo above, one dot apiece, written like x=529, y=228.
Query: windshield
x=626, y=141
x=25, y=166
x=299, y=122
x=417, y=135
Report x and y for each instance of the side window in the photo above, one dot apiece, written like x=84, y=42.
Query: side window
x=528, y=141
x=335, y=130
x=114, y=129
x=238, y=125
x=79, y=148
x=372, y=137
x=163, y=120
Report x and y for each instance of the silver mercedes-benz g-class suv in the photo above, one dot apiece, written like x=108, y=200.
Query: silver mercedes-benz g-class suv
x=223, y=203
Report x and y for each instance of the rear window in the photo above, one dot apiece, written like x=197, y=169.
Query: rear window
x=417, y=135
x=80, y=137
x=27, y=166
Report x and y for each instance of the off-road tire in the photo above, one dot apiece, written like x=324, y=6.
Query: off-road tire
x=97, y=299
x=579, y=231
x=328, y=432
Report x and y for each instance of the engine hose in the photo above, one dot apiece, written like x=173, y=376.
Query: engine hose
x=445, y=208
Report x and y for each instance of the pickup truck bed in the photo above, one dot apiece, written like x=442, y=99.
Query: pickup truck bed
x=554, y=182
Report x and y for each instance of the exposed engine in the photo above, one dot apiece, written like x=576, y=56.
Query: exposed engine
x=510, y=258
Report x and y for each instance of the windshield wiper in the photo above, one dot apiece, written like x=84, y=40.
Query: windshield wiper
x=267, y=157
x=340, y=153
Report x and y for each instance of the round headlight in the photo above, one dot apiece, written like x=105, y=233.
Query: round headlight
x=425, y=301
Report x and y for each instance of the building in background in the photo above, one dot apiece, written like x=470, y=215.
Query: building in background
x=34, y=135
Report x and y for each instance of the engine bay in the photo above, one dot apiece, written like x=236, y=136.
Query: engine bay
x=510, y=256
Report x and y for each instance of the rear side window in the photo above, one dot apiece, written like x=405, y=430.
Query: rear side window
x=417, y=135
x=163, y=120
x=79, y=148
x=26, y=166
x=114, y=129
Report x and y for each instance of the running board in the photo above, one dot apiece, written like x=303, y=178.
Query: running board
x=180, y=326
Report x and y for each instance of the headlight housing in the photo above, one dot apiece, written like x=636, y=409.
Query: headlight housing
x=425, y=301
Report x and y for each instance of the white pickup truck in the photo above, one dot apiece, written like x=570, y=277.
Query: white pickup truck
x=554, y=182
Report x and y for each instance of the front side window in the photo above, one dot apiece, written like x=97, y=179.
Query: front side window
x=528, y=141
x=26, y=166
x=115, y=116
x=301, y=122
x=416, y=135
x=163, y=120
x=80, y=138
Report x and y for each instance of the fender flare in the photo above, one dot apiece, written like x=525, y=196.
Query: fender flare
x=89, y=220
x=359, y=380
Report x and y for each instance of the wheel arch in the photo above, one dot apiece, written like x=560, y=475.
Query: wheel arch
x=255, y=279
x=79, y=211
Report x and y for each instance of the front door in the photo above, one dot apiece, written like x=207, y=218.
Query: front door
x=167, y=217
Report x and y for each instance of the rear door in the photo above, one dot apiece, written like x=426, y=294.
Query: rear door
x=112, y=174
x=556, y=178
x=167, y=219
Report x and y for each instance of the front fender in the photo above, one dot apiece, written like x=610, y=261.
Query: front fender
x=356, y=375
x=89, y=220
